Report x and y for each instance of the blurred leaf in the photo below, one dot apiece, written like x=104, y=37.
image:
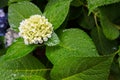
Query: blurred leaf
x=119, y=61
x=76, y=3
x=3, y=3
x=73, y=42
x=104, y=46
x=109, y=29
x=1, y=42
x=115, y=71
x=26, y=66
x=112, y=12
x=20, y=11
x=92, y=4
x=82, y=68
x=56, y=11
x=74, y=12
x=54, y=40
x=40, y=3
x=2, y=45
x=13, y=1
x=119, y=57
x=17, y=50
x=31, y=78
x=86, y=21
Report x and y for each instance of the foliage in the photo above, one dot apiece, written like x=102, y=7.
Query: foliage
x=84, y=44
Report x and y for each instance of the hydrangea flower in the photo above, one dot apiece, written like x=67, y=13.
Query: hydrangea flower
x=3, y=22
x=35, y=29
x=10, y=37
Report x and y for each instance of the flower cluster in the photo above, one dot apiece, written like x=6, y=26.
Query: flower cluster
x=3, y=22
x=10, y=37
x=35, y=29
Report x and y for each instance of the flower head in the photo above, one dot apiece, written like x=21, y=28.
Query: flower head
x=2, y=14
x=35, y=29
x=3, y=22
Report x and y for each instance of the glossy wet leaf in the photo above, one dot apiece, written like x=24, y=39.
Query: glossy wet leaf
x=54, y=40
x=13, y=1
x=92, y=4
x=20, y=11
x=56, y=11
x=73, y=42
x=104, y=45
x=31, y=78
x=26, y=66
x=82, y=68
x=17, y=50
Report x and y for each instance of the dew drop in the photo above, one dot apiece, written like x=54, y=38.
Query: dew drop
x=114, y=48
x=13, y=75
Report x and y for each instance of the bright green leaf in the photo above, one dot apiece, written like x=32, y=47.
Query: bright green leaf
x=56, y=11
x=31, y=78
x=17, y=50
x=109, y=29
x=73, y=42
x=26, y=66
x=92, y=4
x=82, y=68
x=54, y=40
x=104, y=45
x=13, y=1
x=20, y=11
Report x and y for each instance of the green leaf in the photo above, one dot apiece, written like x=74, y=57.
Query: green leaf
x=73, y=42
x=77, y=3
x=20, y=11
x=82, y=68
x=92, y=4
x=2, y=45
x=115, y=70
x=13, y=1
x=86, y=21
x=119, y=56
x=25, y=66
x=17, y=50
x=74, y=12
x=112, y=12
x=109, y=29
x=56, y=11
x=31, y=78
x=104, y=45
x=119, y=61
x=3, y=3
x=54, y=40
